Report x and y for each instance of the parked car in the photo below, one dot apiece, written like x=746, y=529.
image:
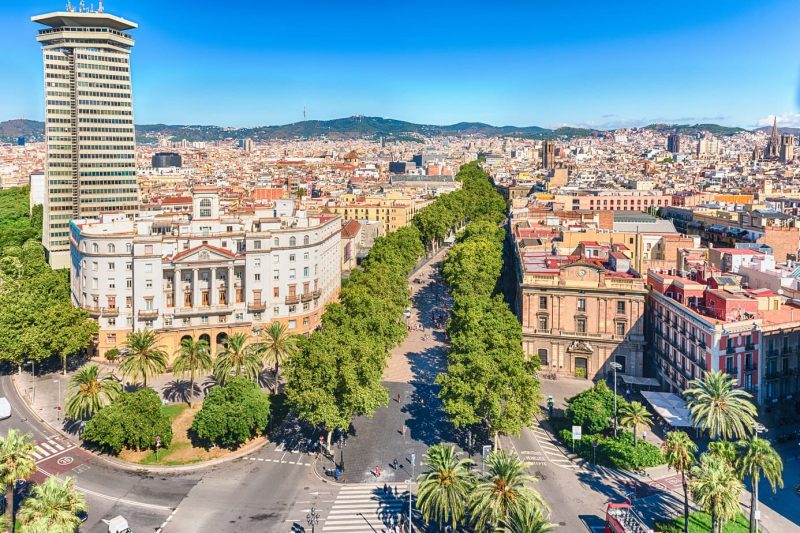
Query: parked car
x=5, y=408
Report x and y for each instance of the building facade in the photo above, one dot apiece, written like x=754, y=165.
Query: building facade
x=580, y=313
x=205, y=276
x=91, y=160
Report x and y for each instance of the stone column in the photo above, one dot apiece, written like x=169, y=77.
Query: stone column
x=195, y=288
x=231, y=290
x=177, y=299
x=213, y=298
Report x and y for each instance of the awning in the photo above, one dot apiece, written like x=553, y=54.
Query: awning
x=670, y=407
x=633, y=380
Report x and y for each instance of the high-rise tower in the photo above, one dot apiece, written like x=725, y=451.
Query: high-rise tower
x=91, y=159
x=548, y=155
x=674, y=143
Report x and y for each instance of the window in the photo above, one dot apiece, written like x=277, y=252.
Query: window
x=581, y=304
x=257, y=276
x=148, y=283
x=128, y=248
x=292, y=241
x=257, y=263
x=129, y=266
x=542, y=322
x=620, y=328
x=128, y=283
x=291, y=258
x=305, y=322
x=292, y=324
x=111, y=248
x=621, y=306
x=276, y=292
x=292, y=273
x=305, y=240
x=305, y=307
x=112, y=284
x=94, y=266
x=542, y=353
x=257, y=245
x=111, y=266
x=167, y=320
x=112, y=321
x=276, y=311
x=276, y=242
x=148, y=267
x=305, y=256
x=95, y=247
x=275, y=259
x=148, y=249
x=580, y=325
x=292, y=308
x=204, y=319
x=276, y=275
x=305, y=272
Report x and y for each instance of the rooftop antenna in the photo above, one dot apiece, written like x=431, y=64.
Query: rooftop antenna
x=70, y=9
x=82, y=6
x=100, y=6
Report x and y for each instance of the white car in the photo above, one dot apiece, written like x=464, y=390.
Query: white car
x=5, y=408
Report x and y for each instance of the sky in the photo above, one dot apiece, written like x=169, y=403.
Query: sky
x=600, y=63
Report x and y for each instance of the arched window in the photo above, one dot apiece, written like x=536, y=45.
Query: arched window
x=111, y=248
x=83, y=246
x=305, y=240
x=292, y=241
x=95, y=247
x=276, y=241
x=128, y=247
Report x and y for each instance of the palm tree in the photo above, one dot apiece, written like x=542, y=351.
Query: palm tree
x=635, y=415
x=16, y=463
x=142, y=357
x=445, y=487
x=277, y=345
x=237, y=358
x=526, y=519
x=193, y=356
x=716, y=488
x=758, y=457
x=501, y=489
x=679, y=452
x=52, y=506
x=715, y=404
x=89, y=391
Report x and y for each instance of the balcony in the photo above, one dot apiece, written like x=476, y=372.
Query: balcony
x=773, y=374
x=110, y=311
x=773, y=353
x=292, y=299
x=256, y=307
x=750, y=368
x=702, y=344
x=148, y=314
x=94, y=312
x=305, y=297
x=730, y=349
x=732, y=370
x=203, y=310
x=316, y=294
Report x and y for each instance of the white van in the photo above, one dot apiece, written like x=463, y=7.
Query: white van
x=5, y=408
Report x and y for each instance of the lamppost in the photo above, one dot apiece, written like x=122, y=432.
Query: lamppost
x=312, y=518
x=757, y=429
x=615, y=366
x=33, y=379
x=58, y=401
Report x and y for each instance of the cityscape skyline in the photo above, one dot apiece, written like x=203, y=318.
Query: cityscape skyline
x=642, y=67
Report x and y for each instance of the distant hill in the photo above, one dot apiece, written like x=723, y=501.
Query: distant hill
x=790, y=131
x=352, y=127
x=10, y=130
x=686, y=129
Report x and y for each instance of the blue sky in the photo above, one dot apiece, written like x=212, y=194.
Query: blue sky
x=602, y=63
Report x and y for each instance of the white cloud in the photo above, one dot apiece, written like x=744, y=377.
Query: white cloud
x=788, y=120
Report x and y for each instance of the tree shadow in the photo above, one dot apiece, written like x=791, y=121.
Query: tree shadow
x=132, y=387
x=181, y=390
x=391, y=504
x=267, y=380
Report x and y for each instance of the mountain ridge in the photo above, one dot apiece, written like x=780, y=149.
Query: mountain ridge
x=356, y=126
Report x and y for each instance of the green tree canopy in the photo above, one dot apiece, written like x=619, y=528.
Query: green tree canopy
x=233, y=413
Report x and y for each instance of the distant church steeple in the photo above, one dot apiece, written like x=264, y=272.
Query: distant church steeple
x=773, y=149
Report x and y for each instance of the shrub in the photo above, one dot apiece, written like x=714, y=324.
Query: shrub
x=233, y=413
x=133, y=420
x=593, y=409
x=617, y=453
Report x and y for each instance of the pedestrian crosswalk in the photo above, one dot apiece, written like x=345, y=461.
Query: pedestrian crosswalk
x=366, y=507
x=53, y=446
x=551, y=451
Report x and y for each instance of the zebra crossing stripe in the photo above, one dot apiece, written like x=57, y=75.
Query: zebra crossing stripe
x=365, y=508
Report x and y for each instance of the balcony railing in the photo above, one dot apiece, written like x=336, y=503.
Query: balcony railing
x=305, y=297
x=291, y=300
x=256, y=307
x=94, y=312
x=317, y=293
x=730, y=349
x=750, y=368
x=773, y=374
x=110, y=311
x=732, y=370
x=148, y=313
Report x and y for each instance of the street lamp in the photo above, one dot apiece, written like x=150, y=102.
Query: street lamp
x=33, y=379
x=312, y=518
x=615, y=366
x=757, y=429
x=58, y=401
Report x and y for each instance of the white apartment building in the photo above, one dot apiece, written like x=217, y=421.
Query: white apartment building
x=205, y=276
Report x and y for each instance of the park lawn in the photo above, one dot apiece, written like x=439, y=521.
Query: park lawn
x=181, y=450
x=700, y=522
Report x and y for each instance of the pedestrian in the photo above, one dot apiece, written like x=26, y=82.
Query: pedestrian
x=385, y=489
x=377, y=471
x=403, y=431
x=395, y=464
x=398, y=397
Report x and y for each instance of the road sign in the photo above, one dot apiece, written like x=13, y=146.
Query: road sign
x=576, y=433
x=594, y=443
